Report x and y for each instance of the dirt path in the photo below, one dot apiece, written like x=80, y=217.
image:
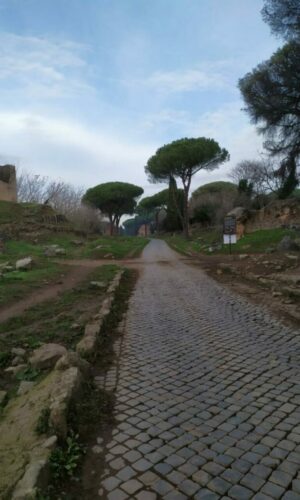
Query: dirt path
x=71, y=279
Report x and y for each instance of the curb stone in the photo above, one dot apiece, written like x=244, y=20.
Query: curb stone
x=87, y=345
x=36, y=475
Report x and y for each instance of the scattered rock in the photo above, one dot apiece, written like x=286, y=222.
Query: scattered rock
x=4, y=265
x=69, y=388
x=291, y=256
x=50, y=443
x=108, y=256
x=77, y=242
x=97, y=284
x=60, y=251
x=73, y=359
x=24, y=264
x=293, y=292
x=3, y=395
x=75, y=326
x=219, y=271
x=27, y=487
x=18, y=351
x=243, y=256
x=97, y=449
x=287, y=244
x=17, y=361
x=47, y=355
x=54, y=251
x=25, y=386
x=14, y=370
x=277, y=294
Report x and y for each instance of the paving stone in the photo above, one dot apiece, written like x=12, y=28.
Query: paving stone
x=176, y=477
x=213, y=468
x=162, y=487
x=163, y=468
x=148, y=478
x=188, y=487
x=240, y=493
x=252, y=482
x=188, y=469
x=146, y=495
x=205, y=494
x=201, y=477
x=273, y=490
x=126, y=473
x=296, y=485
x=231, y=475
x=281, y=478
x=218, y=485
x=117, y=495
x=175, y=460
x=133, y=455
x=131, y=486
x=111, y=483
x=207, y=394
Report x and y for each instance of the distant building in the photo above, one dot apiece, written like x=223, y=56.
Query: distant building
x=8, y=183
x=144, y=230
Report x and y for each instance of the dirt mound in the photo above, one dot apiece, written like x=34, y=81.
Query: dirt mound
x=18, y=220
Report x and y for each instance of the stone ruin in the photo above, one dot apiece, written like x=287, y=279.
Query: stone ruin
x=8, y=183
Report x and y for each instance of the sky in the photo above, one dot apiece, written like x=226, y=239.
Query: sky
x=91, y=88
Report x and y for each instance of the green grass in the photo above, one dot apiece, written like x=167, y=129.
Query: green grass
x=118, y=246
x=17, y=284
x=256, y=242
x=16, y=212
x=51, y=321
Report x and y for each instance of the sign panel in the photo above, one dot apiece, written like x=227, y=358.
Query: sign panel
x=230, y=224
x=228, y=239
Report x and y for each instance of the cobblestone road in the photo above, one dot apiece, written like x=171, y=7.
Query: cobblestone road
x=207, y=390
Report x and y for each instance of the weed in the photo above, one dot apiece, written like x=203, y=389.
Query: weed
x=5, y=358
x=28, y=373
x=65, y=459
x=42, y=426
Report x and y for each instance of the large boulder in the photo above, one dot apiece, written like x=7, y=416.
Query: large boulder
x=287, y=244
x=24, y=264
x=46, y=356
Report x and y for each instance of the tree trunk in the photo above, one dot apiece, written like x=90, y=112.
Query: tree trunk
x=186, y=181
x=173, y=191
x=111, y=223
x=186, y=212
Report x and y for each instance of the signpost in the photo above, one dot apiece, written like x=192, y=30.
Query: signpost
x=229, y=231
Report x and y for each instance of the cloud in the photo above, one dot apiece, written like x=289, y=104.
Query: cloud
x=206, y=76
x=41, y=67
x=67, y=149
x=231, y=128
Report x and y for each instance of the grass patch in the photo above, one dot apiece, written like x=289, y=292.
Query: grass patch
x=52, y=321
x=117, y=247
x=17, y=284
x=42, y=426
x=256, y=242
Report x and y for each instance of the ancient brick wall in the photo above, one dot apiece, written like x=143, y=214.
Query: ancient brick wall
x=277, y=214
x=8, y=183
